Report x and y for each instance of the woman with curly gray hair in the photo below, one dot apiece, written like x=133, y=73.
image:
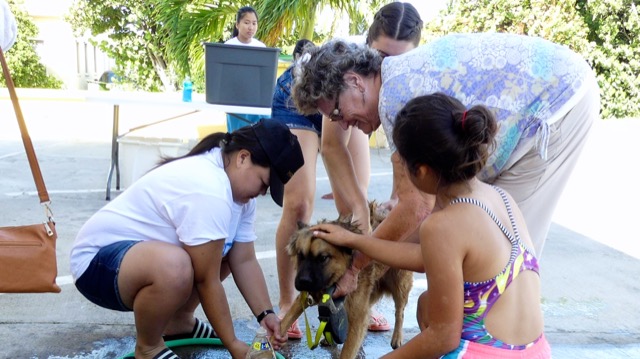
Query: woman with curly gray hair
x=544, y=96
x=354, y=71
x=330, y=64
x=396, y=29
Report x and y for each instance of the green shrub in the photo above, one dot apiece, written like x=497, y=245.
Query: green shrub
x=605, y=32
x=23, y=61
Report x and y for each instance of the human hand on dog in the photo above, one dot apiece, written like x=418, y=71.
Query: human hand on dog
x=336, y=235
x=340, y=236
x=347, y=283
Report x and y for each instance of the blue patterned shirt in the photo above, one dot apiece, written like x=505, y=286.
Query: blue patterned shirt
x=527, y=82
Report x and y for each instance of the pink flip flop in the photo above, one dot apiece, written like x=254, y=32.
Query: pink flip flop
x=294, y=331
x=328, y=196
x=378, y=323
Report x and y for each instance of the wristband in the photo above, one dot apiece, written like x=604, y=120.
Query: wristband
x=261, y=316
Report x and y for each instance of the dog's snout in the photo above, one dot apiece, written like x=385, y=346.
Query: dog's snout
x=306, y=278
x=304, y=284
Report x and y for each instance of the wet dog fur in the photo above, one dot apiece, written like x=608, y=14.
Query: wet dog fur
x=319, y=265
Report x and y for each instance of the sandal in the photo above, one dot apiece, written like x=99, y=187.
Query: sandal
x=166, y=353
x=378, y=323
x=294, y=331
x=328, y=195
x=200, y=330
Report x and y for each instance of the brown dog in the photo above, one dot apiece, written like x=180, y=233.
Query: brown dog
x=320, y=265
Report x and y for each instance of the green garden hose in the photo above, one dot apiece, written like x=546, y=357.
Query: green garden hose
x=193, y=341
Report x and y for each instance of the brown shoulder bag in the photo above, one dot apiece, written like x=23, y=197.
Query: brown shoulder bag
x=28, y=253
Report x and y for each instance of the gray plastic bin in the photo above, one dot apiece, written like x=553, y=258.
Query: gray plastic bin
x=240, y=75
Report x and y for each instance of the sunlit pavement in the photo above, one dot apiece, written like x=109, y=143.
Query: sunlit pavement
x=590, y=266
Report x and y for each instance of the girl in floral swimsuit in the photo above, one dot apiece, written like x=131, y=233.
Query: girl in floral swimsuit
x=483, y=298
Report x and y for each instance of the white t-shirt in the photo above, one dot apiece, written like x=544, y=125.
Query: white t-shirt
x=253, y=42
x=184, y=202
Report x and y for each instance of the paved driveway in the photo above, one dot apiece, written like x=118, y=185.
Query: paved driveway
x=590, y=267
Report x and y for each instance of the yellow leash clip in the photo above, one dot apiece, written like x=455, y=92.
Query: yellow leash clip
x=310, y=343
x=328, y=311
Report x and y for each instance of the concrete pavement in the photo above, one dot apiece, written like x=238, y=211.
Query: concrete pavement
x=590, y=266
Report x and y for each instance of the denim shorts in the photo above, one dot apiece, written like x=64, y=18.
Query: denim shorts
x=99, y=283
x=283, y=109
x=296, y=121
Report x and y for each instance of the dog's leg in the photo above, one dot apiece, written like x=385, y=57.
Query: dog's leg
x=357, y=306
x=397, y=337
x=400, y=294
x=294, y=312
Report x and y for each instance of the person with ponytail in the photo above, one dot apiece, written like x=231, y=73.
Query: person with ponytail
x=165, y=244
x=245, y=28
x=474, y=247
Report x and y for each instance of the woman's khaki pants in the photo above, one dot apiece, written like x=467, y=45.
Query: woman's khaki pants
x=537, y=184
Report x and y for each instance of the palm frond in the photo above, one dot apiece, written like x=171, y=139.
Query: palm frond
x=191, y=24
x=277, y=16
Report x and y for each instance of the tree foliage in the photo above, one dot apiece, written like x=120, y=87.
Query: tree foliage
x=605, y=32
x=187, y=25
x=614, y=28
x=126, y=31
x=22, y=59
x=281, y=23
x=155, y=43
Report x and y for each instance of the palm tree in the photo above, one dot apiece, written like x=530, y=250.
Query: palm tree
x=189, y=23
x=279, y=17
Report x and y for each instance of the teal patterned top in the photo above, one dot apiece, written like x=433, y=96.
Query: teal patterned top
x=527, y=82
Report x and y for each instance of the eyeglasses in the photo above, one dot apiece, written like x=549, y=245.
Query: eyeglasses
x=336, y=114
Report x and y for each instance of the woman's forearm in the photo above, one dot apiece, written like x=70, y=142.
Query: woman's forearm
x=214, y=302
x=338, y=163
x=250, y=281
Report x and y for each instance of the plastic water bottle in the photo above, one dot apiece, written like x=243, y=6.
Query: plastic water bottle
x=261, y=347
x=187, y=89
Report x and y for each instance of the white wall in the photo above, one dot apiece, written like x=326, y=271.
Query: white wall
x=76, y=62
x=73, y=60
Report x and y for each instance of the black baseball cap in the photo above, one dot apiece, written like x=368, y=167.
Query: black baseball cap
x=284, y=153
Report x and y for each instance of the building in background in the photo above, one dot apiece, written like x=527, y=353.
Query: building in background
x=73, y=60
x=80, y=65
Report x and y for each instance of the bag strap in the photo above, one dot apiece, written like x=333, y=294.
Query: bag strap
x=28, y=146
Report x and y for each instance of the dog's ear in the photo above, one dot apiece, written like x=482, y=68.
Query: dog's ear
x=292, y=246
x=346, y=222
x=345, y=218
x=302, y=225
x=377, y=213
